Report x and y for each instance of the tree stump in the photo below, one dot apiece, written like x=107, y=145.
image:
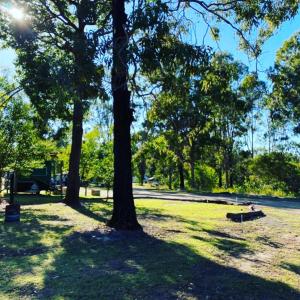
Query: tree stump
x=249, y=216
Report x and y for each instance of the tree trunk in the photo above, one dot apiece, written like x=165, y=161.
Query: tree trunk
x=124, y=215
x=181, y=176
x=231, y=179
x=193, y=174
x=73, y=186
x=142, y=170
x=226, y=178
x=220, y=177
x=192, y=164
x=170, y=173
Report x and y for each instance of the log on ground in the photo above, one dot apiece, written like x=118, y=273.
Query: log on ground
x=249, y=216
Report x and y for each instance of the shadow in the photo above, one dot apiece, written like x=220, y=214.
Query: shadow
x=222, y=234
x=232, y=248
x=291, y=267
x=151, y=214
x=143, y=213
x=100, y=216
x=268, y=242
x=30, y=231
x=106, y=264
x=24, y=247
x=25, y=199
x=136, y=265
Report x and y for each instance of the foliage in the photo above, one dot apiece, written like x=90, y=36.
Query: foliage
x=285, y=97
x=89, y=154
x=279, y=170
x=104, y=169
x=21, y=148
x=205, y=177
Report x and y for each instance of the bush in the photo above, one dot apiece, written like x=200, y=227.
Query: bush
x=205, y=177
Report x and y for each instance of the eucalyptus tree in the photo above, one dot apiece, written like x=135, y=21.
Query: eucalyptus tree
x=284, y=100
x=153, y=156
x=59, y=49
x=253, y=91
x=229, y=110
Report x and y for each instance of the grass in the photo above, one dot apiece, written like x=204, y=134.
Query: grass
x=188, y=251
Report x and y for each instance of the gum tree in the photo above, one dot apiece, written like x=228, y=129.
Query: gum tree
x=59, y=47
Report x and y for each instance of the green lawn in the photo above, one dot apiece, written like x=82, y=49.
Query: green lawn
x=188, y=251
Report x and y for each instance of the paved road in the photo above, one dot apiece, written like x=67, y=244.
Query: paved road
x=183, y=196
x=264, y=201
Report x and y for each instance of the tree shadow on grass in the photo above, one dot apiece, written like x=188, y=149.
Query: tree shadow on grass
x=23, y=249
x=265, y=240
x=108, y=264
x=31, y=229
x=130, y=265
x=221, y=234
x=27, y=199
x=103, y=214
x=231, y=247
x=86, y=208
x=292, y=267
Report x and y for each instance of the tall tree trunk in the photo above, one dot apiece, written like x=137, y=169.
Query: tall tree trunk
x=192, y=164
x=231, y=179
x=220, y=177
x=226, y=179
x=73, y=186
x=193, y=185
x=170, y=173
x=124, y=215
x=181, y=175
x=142, y=170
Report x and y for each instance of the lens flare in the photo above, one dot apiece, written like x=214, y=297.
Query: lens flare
x=17, y=13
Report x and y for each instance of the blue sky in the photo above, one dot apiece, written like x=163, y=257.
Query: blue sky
x=229, y=42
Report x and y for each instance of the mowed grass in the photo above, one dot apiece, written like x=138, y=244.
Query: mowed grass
x=187, y=251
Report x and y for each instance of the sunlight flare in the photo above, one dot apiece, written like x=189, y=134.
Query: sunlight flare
x=17, y=13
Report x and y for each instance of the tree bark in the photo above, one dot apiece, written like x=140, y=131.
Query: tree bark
x=73, y=186
x=124, y=215
x=192, y=164
x=170, y=174
x=181, y=175
x=142, y=170
x=220, y=177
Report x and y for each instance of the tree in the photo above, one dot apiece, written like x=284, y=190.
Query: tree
x=21, y=149
x=90, y=154
x=253, y=90
x=58, y=59
x=104, y=167
x=278, y=169
x=124, y=215
x=284, y=100
x=228, y=109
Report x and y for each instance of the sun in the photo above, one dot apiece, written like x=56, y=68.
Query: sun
x=17, y=13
